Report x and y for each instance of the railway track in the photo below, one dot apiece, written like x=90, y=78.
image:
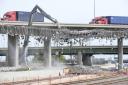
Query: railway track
x=110, y=82
x=34, y=80
x=98, y=81
x=65, y=83
x=27, y=81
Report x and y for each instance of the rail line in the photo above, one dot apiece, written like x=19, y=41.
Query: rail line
x=27, y=81
x=110, y=82
x=65, y=83
x=88, y=80
x=96, y=81
x=35, y=80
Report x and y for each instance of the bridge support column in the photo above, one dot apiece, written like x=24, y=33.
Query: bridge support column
x=87, y=59
x=47, y=52
x=13, y=51
x=79, y=58
x=120, y=53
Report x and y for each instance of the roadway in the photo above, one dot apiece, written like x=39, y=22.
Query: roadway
x=68, y=25
x=67, y=50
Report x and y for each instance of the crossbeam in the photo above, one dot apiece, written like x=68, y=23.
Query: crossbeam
x=75, y=50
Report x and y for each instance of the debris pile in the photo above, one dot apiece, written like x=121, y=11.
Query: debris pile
x=9, y=69
x=77, y=69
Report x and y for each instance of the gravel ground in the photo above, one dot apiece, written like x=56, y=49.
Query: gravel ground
x=26, y=75
x=106, y=82
x=121, y=83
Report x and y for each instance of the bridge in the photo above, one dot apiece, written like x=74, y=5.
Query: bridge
x=63, y=30
x=67, y=50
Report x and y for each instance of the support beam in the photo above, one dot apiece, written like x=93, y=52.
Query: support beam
x=79, y=58
x=13, y=51
x=120, y=53
x=47, y=52
x=87, y=59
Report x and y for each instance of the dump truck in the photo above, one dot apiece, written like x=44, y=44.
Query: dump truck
x=121, y=20
x=22, y=16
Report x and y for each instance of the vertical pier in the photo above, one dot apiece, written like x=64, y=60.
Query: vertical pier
x=13, y=50
x=47, y=52
x=87, y=59
x=120, y=53
x=79, y=58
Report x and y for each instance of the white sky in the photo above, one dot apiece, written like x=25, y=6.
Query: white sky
x=72, y=11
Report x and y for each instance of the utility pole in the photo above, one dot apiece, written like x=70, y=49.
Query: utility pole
x=94, y=9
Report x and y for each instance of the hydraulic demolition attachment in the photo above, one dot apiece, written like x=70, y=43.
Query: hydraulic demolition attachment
x=26, y=41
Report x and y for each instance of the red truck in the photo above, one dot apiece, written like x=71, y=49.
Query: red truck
x=22, y=16
x=122, y=20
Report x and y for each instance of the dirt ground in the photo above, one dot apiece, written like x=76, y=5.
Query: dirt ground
x=26, y=75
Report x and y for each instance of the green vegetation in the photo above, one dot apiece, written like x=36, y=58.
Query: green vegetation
x=23, y=69
x=60, y=58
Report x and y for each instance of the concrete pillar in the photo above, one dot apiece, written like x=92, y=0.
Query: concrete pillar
x=47, y=52
x=79, y=58
x=13, y=51
x=87, y=59
x=120, y=53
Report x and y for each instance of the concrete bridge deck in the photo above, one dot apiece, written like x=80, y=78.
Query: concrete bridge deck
x=37, y=28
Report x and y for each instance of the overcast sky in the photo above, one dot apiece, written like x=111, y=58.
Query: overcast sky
x=70, y=11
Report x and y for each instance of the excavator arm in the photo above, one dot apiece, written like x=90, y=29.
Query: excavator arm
x=43, y=13
x=26, y=40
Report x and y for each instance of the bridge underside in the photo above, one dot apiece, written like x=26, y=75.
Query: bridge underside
x=74, y=51
x=85, y=50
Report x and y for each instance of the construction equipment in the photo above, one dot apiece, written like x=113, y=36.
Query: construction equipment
x=25, y=16
x=30, y=24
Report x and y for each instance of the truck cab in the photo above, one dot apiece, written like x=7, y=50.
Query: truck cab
x=9, y=16
x=22, y=16
x=99, y=20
